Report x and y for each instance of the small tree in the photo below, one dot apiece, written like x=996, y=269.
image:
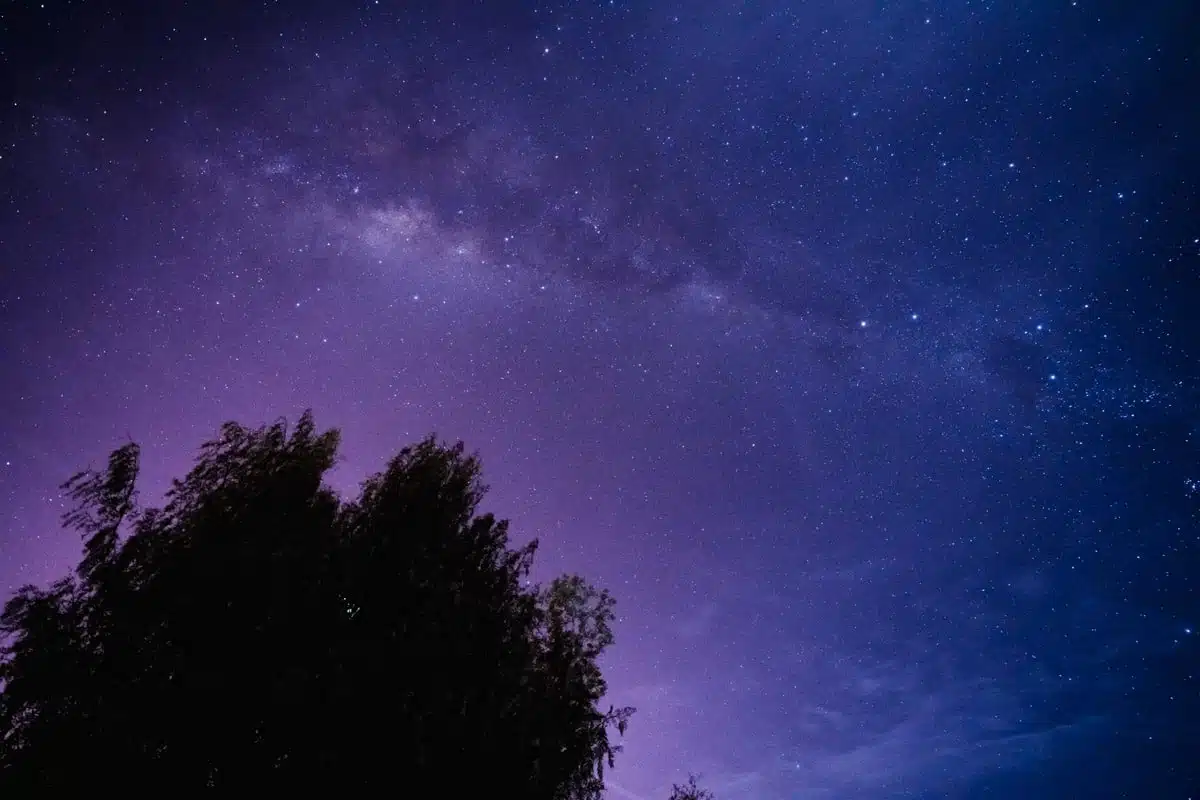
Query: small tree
x=690, y=791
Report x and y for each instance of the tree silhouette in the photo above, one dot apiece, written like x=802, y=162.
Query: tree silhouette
x=260, y=632
x=690, y=791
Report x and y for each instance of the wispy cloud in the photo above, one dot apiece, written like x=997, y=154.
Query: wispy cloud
x=891, y=731
x=615, y=789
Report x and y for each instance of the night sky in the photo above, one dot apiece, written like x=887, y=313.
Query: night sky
x=854, y=345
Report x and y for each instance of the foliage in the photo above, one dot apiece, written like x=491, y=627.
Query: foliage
x=259, y=632
x=690, y=791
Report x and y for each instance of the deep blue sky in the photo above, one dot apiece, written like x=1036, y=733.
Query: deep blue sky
x=854, y=345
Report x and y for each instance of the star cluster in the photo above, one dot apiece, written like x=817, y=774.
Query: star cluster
x=852, y=345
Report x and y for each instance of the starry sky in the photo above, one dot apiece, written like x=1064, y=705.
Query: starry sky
x=853, y=345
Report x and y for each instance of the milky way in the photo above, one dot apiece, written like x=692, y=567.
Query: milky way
x=852, y=345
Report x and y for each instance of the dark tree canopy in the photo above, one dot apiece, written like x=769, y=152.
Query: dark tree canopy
x=259, y=632
x=690, y=791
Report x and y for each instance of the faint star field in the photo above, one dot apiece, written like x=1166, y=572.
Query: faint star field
x=852, y=346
